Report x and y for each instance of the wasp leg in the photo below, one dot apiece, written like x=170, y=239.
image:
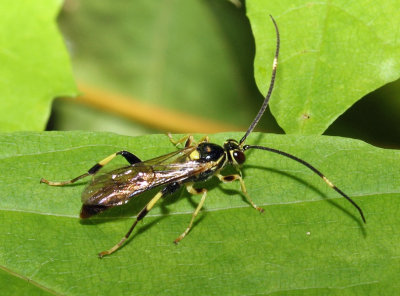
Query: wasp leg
x=192, y=190
x=231, y=178
x=131, y=158
x=205, y=139
x=188, y=139
x=167, y=190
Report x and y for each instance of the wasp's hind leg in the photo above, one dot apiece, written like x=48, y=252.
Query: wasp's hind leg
x=193, y=190
x=188, y=139
x=204, y=139
x=167, y=190
x=131, y=158
x=231, y=178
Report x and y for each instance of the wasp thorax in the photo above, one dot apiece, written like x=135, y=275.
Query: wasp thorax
x=209, y=152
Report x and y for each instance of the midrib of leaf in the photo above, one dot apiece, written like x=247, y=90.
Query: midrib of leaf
x=206, y=209
x=29, y=280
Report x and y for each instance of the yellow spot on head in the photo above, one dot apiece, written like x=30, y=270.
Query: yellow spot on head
x=195, y=155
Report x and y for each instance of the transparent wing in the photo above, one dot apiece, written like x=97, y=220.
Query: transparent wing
x=179, y=156
x=118, y=186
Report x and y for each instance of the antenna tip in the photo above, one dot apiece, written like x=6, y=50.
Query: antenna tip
x=361, y=214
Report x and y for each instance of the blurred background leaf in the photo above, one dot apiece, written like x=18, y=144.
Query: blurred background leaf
x=181, y=55
x=35, y=66
x=310, y=241
x=194, y=58
x=333, y=54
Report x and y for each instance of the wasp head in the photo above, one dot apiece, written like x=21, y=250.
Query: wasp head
x=234, y=152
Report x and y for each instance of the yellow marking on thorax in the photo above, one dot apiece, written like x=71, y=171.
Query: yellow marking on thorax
x=195, y=155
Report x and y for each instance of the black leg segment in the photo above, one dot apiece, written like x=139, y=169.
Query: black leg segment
x=131, y=158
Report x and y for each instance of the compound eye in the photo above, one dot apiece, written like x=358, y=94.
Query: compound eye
x=239, y=156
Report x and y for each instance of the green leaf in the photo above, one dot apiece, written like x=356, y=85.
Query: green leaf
x=34, y=64
x=164, y=54
x=332, y=54
x=310, y=241
x=18, y=285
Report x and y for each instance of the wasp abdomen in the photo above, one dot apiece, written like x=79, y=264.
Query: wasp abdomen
x=91, y=210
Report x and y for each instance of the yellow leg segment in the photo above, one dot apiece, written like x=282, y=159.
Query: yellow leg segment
x=92, y=171
x=205, y=139
x=139, y=217
x=188, y=139
x=131, y=158
x=62, y=183
x=107, y=159
x=192, y=190
x=231, y=178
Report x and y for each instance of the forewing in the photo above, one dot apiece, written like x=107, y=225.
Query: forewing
x=179, y=156
x=115, y=187
x=118, y=186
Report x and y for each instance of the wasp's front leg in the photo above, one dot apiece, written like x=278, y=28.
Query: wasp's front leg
x=231, y=178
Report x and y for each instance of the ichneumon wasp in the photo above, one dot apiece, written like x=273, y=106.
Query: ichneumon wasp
x=184, y=167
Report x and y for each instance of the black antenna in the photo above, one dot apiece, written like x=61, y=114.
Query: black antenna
x=271, y=86
x=330, y=184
